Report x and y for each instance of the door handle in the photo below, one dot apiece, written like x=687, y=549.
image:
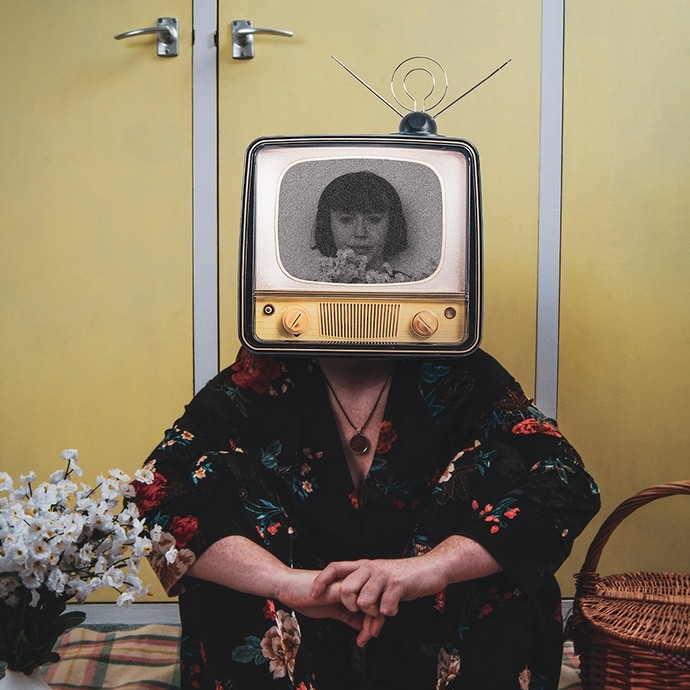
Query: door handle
x=167, y=44
x=243, y=31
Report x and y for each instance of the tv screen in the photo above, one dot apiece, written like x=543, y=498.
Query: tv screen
x=349, y=220
x=361, y=244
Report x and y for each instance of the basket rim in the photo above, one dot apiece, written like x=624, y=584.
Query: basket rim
x=586, y=623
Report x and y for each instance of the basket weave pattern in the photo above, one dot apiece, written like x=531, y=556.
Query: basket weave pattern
x=632, y=630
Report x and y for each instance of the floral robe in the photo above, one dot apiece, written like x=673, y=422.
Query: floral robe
x=461, y=451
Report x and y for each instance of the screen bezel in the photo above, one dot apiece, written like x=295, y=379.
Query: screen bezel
x=378, y=145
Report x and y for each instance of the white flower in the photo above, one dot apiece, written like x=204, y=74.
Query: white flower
x=44, y=496
x=31, y=579
x=57, y=476
x=72, y=525
x=70, y=454
x=120, y=476
x=145, y=476
x=39, y=551
x=110, y=487
x=125, y=598
x=79, y=588
x=57, y=580
x=86, y=555
x=6, y=483
x=171, y=554
x=129, y=516
x=100, y=566
x=27, y=478
x=59, y=538
x=114, y=577
x=15, y=555
x=141, y=548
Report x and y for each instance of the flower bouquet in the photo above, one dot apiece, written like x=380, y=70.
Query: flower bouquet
x=349, y=267
x=62, y=541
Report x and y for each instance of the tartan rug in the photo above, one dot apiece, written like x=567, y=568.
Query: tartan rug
x=143, y=658
x=146, y=658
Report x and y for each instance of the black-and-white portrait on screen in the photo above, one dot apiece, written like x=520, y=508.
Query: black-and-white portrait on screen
x=357, y=220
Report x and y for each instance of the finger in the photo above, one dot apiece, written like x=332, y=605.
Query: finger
x=364, y=635
x=330, y=574
x=371, y=628
x=390, y=600
x=376, y=625
x=354, y=620
x=369, y=597
x=351, y=586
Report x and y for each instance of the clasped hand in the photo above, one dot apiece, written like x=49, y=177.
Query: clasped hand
x=369, y=591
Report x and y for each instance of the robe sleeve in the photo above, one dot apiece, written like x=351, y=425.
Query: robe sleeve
x=527, y=493
x=191, y=487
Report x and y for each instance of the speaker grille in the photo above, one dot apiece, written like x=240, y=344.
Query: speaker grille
x=359, y=321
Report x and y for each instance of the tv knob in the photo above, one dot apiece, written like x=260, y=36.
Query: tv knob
x=424, y=324
x=295, y=320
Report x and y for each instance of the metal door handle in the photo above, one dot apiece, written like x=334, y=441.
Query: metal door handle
x=167, y=44
x=243, y=31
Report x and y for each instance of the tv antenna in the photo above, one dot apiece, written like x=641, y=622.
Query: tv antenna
x=419, y=80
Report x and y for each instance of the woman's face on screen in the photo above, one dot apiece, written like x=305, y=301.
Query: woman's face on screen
x=364, y=232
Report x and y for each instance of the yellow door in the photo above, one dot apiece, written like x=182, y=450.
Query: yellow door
x=625, y=316
x=95, y=209
x=292, y=86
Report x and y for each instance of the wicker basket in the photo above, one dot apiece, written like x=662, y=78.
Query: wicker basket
x=632, y=630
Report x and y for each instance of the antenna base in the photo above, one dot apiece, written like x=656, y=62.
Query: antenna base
x=418, y=123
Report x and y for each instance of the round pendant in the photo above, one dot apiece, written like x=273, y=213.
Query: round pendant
x=359, y=443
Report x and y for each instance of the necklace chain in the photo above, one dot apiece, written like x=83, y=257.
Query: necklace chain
x=359, y=443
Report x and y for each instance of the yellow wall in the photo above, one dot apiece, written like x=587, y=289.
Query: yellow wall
x=96, y=216
x=625, y=326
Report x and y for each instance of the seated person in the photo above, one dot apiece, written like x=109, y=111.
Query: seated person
x=392, y=524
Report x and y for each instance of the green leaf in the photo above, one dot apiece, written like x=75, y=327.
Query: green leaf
x=29, y=633
x=250, y=652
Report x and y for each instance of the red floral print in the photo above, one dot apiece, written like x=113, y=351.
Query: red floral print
x=491, y=514
x=183, y=529
x=257, y=373
x=440, y=604
x=304, y=686
x=149, y=496
x=485, y=610
x=387, y=437
x=534, y=426
x=269, y=609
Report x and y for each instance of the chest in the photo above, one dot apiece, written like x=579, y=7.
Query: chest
x=358, y=417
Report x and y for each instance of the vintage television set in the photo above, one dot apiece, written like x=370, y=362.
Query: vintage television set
x=301, y=291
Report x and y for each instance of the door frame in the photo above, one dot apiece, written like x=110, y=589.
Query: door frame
x=205, y=190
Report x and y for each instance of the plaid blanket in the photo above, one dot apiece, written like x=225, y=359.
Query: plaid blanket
x=141, y=659
x=146, y=658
